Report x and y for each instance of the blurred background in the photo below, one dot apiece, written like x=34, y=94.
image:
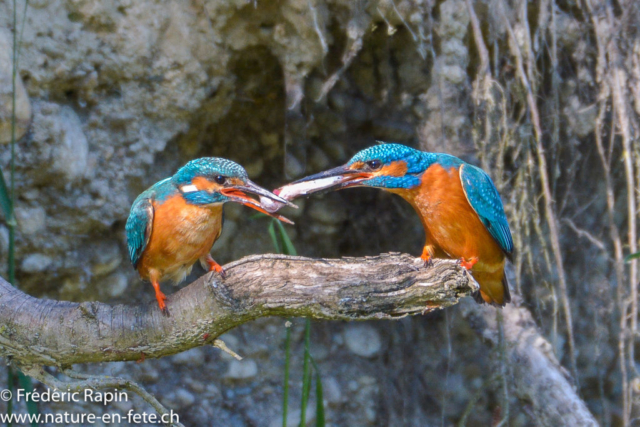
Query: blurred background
x=113, y=96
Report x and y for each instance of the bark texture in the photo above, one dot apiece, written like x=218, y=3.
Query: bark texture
x=59, y=333
x=391, y=286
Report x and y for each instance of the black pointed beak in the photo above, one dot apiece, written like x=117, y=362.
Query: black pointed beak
x=340, y=174
x=329, y=180
x=238, y=194
x=253, y=188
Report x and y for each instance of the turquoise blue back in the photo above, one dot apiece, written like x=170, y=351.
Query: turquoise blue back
x=138, y=227
x=485, y=200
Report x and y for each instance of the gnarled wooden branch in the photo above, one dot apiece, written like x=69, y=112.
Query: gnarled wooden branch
x=45, y=332
x=58, y=333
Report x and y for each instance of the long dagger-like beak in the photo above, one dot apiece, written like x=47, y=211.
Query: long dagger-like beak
x=252, y=188
x=332, y=179
x=238, y=193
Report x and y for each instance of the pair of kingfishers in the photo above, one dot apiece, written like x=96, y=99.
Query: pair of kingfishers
x=175, y=223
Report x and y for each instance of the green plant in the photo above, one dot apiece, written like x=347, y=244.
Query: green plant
x=319, y=395
x=632, y=256
x=287, y=362
x=306, y=373
x=309, y=362
x=282, y=244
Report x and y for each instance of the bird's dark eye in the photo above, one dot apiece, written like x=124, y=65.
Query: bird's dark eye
x=220, y=179
x=374, y=164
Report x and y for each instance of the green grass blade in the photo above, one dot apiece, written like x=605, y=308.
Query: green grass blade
x=320, y=420
x=287, y=339
x=26, y=384
x=11, y=388
x=5, y=201
x=632, y=257
x=289, y=249
x=283, y=244
x=258, y=215
x=11, y=267
x=274, y=238
x=306, y=374
x=287, y=364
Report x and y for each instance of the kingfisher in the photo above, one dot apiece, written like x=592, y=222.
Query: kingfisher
x=458, y=205
x=176, y=221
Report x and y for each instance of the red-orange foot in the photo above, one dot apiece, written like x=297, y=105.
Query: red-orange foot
x=426, y=257
x=468, y=264
x=160, y=297
x=214, y=266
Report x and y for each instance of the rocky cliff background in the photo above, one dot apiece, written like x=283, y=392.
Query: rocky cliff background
x=113, y=96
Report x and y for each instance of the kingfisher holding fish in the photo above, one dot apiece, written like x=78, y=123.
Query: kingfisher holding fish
x=176, y=221
x=458, y=205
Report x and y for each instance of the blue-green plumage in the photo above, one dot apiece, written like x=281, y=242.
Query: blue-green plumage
x=139, y=224
x=209, y=166
x=478, y=187
x=417, y=161
x=140, y=221
x=458, y=204
x=485, y=200
x=176, y=221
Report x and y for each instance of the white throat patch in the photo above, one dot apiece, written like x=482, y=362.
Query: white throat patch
x=188, y=188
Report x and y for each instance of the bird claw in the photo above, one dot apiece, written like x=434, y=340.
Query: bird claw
x=162, y=305
x=426, y=257
x=160, y=297
x=468, y=264
x=218, y=269
x=214, y=266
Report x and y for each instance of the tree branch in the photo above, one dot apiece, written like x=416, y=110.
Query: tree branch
x=39, y=332
x=58, y=333
x=538, y=377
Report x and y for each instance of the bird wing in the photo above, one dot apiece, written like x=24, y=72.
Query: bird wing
x=483, y=197
x=138, y=228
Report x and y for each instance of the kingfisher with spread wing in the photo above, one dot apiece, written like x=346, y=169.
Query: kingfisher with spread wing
x=176, y=221
x=458, y=205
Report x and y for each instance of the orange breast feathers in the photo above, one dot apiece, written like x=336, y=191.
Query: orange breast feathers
x=181, y=234
x=453, y=228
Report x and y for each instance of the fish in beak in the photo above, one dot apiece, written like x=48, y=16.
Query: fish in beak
x=238, y=194
x=329, y=180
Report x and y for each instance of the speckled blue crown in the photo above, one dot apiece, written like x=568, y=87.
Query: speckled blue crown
x=209, y=166
x=417, y=161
